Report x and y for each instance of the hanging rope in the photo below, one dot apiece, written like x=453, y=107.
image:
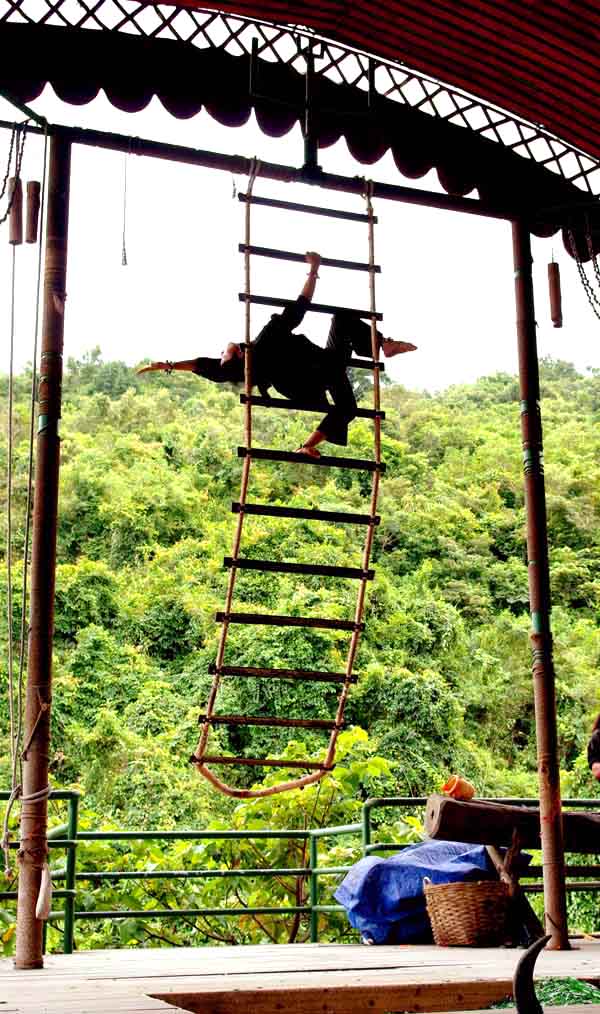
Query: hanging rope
x=201, y=748
x=368, y=544
x=124, y=243
x=9, y=536
x=16, y=713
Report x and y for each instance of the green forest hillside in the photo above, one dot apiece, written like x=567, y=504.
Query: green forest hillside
x=149, y=471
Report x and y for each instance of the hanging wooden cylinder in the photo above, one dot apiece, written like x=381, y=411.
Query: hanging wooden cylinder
x=15, y=219
x=33, y=211
x=555, y=294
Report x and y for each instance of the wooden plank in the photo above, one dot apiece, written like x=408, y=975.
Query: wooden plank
x=484, y=823
x=269, y=720
x=311, y=307
x=342, y=999
x=306, y=513
x=289, y=405
x=272, y=620
x=325, y=461
x=307, y=675
x=309, y=569
x=300, y=258
x=308, y=209
x=261, y=762
x=424, y=978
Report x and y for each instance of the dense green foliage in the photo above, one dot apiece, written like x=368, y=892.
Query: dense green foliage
x=149, y=470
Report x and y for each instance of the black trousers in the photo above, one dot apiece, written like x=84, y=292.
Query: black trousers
x=303, y=371
x=348, y=335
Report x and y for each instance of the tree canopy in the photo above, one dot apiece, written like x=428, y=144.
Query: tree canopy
x=149, y=470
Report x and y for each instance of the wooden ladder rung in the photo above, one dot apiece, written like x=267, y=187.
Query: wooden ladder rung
x=270, y=721
x=307, y=675
x=300, y=258
x=361, y=413
x=319, y=569
x=325, y=461
x=306, y=513
x=368, y=364
x=311, y=308
x=309, y=209
x=272, y=620
x=305, y=406
x=257, y=762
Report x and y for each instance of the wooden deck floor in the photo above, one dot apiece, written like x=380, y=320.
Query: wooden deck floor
x=301, y=979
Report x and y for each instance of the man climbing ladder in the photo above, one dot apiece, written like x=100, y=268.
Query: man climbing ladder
x=296, y=367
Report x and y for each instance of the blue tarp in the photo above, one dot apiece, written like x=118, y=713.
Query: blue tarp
x=384, y=897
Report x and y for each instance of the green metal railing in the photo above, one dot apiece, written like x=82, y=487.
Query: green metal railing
x=311, y=873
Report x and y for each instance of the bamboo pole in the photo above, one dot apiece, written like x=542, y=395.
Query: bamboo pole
x=34, y=815
x=539, y=596
x=240, y=165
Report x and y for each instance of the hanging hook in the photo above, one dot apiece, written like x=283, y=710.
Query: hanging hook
x=124, y=241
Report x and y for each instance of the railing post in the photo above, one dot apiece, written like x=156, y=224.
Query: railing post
x=69, y=923
x=33, y=851
x=313, y=862
x=366, y=825
x=539, y=596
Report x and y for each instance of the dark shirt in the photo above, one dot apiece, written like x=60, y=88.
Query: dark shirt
x=296, y=367
x=593, y=750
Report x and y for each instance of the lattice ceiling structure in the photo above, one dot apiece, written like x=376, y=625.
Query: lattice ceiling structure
x=517, y=116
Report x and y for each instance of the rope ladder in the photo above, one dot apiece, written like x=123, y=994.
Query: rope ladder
x=314, y=770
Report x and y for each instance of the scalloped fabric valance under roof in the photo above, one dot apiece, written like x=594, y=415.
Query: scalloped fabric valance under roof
x=539, y=59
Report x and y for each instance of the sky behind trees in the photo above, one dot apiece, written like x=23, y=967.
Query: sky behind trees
x=446, y=282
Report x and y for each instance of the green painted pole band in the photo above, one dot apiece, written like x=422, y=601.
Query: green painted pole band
x=529, y=460
x=313, y=862
x=529, y=404
x=537, y=622
x=70, y=878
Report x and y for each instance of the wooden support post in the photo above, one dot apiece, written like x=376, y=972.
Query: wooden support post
x=34, y=815
x=539, y=596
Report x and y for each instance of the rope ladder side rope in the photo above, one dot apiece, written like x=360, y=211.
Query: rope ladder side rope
x=316, y=770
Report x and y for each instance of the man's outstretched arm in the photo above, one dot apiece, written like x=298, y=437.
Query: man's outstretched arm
x=168, y=366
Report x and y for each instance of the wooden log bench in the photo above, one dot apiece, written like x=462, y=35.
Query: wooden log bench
x=483, y=823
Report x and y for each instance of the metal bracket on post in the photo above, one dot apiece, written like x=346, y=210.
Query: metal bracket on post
x=253, y=76
x=311, y=168
x=371, y=93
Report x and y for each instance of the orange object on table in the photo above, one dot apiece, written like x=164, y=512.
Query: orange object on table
x=458, y=788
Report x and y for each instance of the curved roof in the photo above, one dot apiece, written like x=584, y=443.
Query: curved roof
x=536, y=59
x=513, y=122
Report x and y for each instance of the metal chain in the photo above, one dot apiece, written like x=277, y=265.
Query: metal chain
x=591, y=251
x=593, y=299
x=13, y=135
x=17, y=170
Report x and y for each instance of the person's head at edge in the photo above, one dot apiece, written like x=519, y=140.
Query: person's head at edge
x=594, y=749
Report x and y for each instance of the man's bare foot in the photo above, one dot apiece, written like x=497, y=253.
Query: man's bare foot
x=310, y=452
x=391, y=347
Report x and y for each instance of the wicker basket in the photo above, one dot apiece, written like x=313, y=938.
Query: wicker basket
x=468, y=914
